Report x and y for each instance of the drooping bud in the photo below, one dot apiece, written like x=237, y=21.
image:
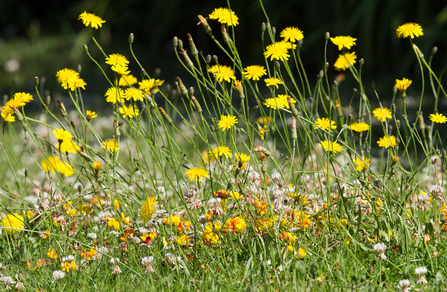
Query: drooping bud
x=205, y=24
x=62, y=108
x=197, y=105
x=181, y=86
x=188, y=61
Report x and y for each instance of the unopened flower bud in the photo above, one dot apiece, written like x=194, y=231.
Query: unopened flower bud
x=205, y=24
x=225, y=36
x=48, y=100
x=62, y=108
x=143, y=73
x=215, y=59
x=299, y=44
x=180, y=44
x=294, y=134
x=327, y=36
x=36, y=81
x=208, y=59
x=188, y=61
x=361, y=62
x=197, y=105
x=84, y=154
x=79, y=68
x=191, y=92
x=175, y=42
x=181, y=86
x=254, y=109
x=421, y=121
x=393, y=109
x=418, y=51
x=277, y=66
x=273, y=30
x=131, y=38
x=165, y=116
x=434, y=50
x=263, y=27
x=192, y=46
x=85, y=47
x=295, y=112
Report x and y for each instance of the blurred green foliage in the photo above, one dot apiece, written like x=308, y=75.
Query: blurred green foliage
x=45, y=36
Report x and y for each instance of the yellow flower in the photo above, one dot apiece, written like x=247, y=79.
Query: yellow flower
x=125, y=220
x=281, y=101
x=129, y=111
x=127, y=80
x=343, y=42
x=112, y=223
x=359, y=127
x=292, y=34
x=52, y=163
x=69, y=79
x=330, y=146
x=254, y=72
x=97, y=165
x=121, y=69
x=172, y=220
x=409, y=29
x=236, y=196
x=325, y=124
x=183, y=240
x=114, y=95
x=147, y=208
x=110, y=145
x=262, y=132
x=226, y=122
x=361, y=163
x=438, y=118
x=219, y=151
x=150, y=85
x=381, y=114
x=62, y=135
x=89, y=19
x=387, y=141
x=225, y=16
x=236, y=224
x=66, y=266
x=344, y=61
x=51, y=253
x=90, y=115
x=8, y=117
x=277, y=51
x=12, y=223
x=222, y=72
x=117, y=59
x=403, y=84
x=273, y=82
x=25, y=97
x=197, y=173
x=300, y=254
x=68, y=146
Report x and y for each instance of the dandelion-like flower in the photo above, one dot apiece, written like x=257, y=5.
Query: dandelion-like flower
x=330, y=146
x=404, y=285
x=281, y=101
x=381, y=114
x=403, y=84
x=438, y=118
x=53, y=163
x=226, y=122
x=69, y=79
x=12, y=223
x=90, y=115
x=114, y=95
x=344, y=61
x=409, y=29
x=292, y=34
x=362, y=164
x=116, y=59
x=277, y=51
x=225, y=16
x=110, y=145
x=359, y=127
x=387, y=141
x=222, y=72
x=120, y=69
x=147, y=208
x=220, y=151
x=273, y=82
x=262, y=131
x=197, y=173
x=150, y=85
x=133, y=93
x=343, y=42
x=254, y=72
x=128, y=80
x=325, y=124
x=25, y=97
x=129, y=111
x=62, y=135
x=89, y=19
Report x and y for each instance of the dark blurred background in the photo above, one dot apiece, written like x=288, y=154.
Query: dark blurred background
x=38, y=38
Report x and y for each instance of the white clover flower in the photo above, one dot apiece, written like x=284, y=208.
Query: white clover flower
x=57, y=275
x=380, y=249
x=68, y=258
x=420, y=272
x=404, y=285
x=114, y=261
x=92, y=235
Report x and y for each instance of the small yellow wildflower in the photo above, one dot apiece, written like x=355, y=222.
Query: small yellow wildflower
x=150, y=86
x=114, y=95
x=89, y=19
x=225, y=16
x=25, y=97
x=129, y=111
x=220, y=151
x=110, y=145
x=197, y=173
x=12, y=223
x=69, y=79
x=51, y=253
x=128, y=80
x=330, y=146
x=254, y=72
x=438, y=118
x=292, y=34
x=325, y=124
x=381, y=114
x=222, y=72
x=403, y=84
x=277, y=51
x=116, y=59
x=362, y=164
x=343, y=42
x=183, y=240
x=273, y=82
x=147, y=208
x=90, y=115
x=387, y=141
x=359, y=127
x=226, y=122
x=409, y=29
x=343, y=61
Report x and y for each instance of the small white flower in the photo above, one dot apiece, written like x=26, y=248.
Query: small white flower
x=114, y=261
x=404, y=285
x=146, y=261
x=68, y=258
x=57, y=275
x=92, y=235
x=7, y=280
x=420, y=272
x=380, y=249
x=116, y=270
